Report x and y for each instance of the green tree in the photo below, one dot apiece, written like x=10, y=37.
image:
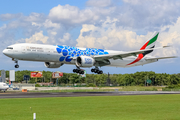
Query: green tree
x=74, y=78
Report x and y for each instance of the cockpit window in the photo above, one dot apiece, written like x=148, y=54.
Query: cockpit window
x=9, y=48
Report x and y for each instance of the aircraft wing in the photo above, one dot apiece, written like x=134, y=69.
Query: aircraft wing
x=104, y=59
x=122, y=55
x=160, y=58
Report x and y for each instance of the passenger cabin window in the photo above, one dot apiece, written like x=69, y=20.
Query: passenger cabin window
x=9, y=48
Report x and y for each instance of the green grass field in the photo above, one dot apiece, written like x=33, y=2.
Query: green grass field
x=141, y=107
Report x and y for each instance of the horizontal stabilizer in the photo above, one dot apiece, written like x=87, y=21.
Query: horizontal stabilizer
x=161, y=58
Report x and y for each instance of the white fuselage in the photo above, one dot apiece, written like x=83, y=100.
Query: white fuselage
x=3, y=86
x=49, y=53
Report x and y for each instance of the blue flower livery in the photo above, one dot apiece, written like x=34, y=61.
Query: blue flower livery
x=69, y=52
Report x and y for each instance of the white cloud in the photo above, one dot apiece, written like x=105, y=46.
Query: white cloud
x=147, y=15
x=36, y=24
x=109, y=36
x=72, y=15
x=8, y=16
x=99, y=3
x=24, y=26
x=171, y=37
x=3, y=27
x=37, y=38
x=35, y=17
x=48, y=24
x=114, y=39
x=65, y=38
x=133, y=1
x=52, y=28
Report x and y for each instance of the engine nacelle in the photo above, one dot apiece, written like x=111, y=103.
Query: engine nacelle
x=85, y=61
x=53, y=64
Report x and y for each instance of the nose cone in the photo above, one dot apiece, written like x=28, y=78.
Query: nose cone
x=8, y=52
x=5, y=52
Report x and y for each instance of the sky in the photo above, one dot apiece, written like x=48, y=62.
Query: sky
x=123, y=25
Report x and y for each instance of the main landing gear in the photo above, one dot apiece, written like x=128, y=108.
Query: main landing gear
x=96, y=70
x=78, y=70
x=16, y=66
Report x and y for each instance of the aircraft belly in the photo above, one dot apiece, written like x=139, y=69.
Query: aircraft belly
x=71, y=62
x=49, y=57
x=125, y=62
x=3, y=88
x=27, y=56
x=38, y=57
x=119, y=62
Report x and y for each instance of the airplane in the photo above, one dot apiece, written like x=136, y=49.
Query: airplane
x=3, y=86
x=54, y=56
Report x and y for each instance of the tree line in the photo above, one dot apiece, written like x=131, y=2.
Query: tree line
x=138, y=78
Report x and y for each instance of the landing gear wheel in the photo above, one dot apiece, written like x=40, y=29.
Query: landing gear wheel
x=16, y=61
x=81, y=72
x=100, y=72
x=78, y=71
x=92, y=70
x=16, y=66
x=96, y=70
x=75, y=70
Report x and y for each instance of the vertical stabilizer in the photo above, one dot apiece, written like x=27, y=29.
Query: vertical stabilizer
x=148, y=45
x=151, y=42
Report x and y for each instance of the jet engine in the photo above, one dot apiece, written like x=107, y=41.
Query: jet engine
x=53, y=64
x=85, y=61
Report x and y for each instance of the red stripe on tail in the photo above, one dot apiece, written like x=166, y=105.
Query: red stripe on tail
x=144, y=46
x=140, y=56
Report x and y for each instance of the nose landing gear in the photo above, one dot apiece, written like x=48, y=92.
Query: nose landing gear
x=16, y=66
